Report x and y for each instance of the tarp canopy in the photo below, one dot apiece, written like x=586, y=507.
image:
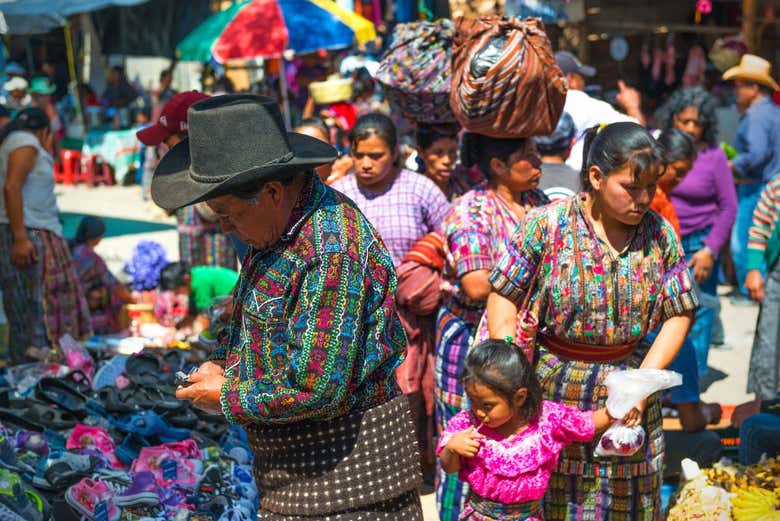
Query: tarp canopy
x=41, y=16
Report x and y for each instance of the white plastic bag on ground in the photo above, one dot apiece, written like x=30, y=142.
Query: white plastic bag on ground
x=626, y=389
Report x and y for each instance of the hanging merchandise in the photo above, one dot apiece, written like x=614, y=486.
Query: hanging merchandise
x=703, y=7
x=695, y=68
x=505, y=82
x=727, y=51
x=415, y=71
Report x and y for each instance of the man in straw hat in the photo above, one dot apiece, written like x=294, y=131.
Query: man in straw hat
x=307, y=365
x=758, y=143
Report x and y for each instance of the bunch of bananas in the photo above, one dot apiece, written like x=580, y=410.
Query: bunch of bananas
x=733, y=477
x=755, y=504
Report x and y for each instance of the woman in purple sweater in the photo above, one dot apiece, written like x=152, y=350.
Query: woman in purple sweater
x=705, y=201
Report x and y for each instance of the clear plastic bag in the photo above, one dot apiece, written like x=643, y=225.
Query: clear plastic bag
x=626, y=389
x=620, y=440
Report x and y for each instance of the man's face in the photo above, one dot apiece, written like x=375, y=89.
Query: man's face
x=259, y=222
x=746, y=93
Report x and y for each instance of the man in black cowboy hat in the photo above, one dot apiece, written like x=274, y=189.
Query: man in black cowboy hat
x=307, y=366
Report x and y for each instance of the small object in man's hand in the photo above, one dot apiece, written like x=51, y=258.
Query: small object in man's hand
x=182, y=379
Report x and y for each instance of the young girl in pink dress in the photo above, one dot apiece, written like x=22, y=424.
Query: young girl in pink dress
x=506, y=446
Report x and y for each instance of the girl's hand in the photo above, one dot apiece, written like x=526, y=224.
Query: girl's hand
x=701, y=264
x=634, y=416
x=465, y=443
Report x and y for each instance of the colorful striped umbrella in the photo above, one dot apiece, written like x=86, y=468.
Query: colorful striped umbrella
x=266, y=28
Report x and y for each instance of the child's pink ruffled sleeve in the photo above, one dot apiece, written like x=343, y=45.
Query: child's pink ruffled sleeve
x=569, y=424
x=457, y=423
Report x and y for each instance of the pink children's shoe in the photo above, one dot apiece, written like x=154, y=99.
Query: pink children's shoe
x=152, y=459
x=87, y=437
x=87, y=494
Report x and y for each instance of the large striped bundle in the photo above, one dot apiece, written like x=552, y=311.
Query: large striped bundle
x=523, y=91
x=415, y=71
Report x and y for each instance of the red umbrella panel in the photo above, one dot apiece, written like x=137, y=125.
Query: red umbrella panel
x=246, y=41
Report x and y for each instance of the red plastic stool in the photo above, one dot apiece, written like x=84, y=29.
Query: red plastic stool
x=70, y=173
x=98, y=171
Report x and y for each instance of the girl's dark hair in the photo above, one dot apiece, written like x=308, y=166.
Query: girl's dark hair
x=427, y=135
x=697, y=97
x=504, y=369
x=31, y=118
x=677, y=146
x=617, y=145
x=374, y=124
x=173, y=276
x=477, y=149
x=90, y=227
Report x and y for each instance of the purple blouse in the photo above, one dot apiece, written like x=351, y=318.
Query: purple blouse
x=707, y=198
x=408, y=209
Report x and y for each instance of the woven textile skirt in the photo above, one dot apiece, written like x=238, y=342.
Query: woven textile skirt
x=44, y=300
x=453, y=338
x=64, y=306
x=584, y=487
x=362, y=466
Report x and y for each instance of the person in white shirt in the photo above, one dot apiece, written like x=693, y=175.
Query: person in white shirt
x=587, y=111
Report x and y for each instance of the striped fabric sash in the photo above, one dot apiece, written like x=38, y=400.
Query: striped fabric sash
x=586, y=352
x=511, y=512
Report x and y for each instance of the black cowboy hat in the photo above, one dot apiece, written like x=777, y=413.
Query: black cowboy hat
x=234, y=140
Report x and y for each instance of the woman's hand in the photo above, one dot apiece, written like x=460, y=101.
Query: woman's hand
x=205, y=391
x=701, y=263
x=634, y=416
x=754, y=283
x=23, y=253
x=465, y=443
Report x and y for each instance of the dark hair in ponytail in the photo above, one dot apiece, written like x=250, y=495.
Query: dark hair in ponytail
x=677, y=146
x=477, y=149
x=31, y=118
x=612, y=147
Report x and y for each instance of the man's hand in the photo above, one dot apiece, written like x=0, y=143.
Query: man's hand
x=754, y=283
x=712, y=412
x=205, y=390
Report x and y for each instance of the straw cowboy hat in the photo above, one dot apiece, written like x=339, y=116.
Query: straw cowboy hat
x=15, y=83
x=234, y=140
x=753, y=68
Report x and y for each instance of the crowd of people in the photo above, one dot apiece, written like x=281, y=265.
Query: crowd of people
x=495, y=282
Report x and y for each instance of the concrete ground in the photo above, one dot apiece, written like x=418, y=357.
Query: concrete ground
x=134, y=219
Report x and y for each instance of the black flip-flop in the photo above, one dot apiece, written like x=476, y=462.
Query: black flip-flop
x=182, y=417
x=62, y=394
x=117, y=400
x=145, y=369
x=10, y=418
x=45, y=415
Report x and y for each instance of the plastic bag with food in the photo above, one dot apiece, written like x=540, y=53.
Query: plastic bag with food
x=626, y=389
